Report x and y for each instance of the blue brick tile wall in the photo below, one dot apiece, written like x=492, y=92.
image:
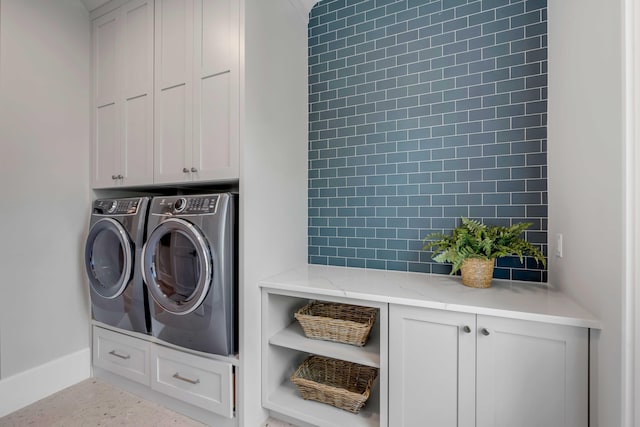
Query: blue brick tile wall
x=421, y=112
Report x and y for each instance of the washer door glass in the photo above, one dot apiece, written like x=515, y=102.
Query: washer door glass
x=177, y=266
x=108, y=258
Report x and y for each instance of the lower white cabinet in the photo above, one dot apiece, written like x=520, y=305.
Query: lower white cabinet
x=513, y=355
x=460, y=369
x=431, y=367
x=182, y=376
x=201, y=382
x=121, y=354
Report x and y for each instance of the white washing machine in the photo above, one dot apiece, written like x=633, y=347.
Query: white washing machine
x=111, y=257
x=190, y=269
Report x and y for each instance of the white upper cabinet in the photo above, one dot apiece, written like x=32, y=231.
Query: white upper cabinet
x=122, y=140
x=196, y=90
x=166, y=93
x=216, y=83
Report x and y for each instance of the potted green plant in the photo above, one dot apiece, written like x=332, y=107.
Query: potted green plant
x=473, y=248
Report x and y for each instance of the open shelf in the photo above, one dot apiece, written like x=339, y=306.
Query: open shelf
x=285, y=346
x=293, y=337
x=286, y=400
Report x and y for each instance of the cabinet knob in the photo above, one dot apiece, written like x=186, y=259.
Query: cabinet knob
x=484, y=331
x=466, y=329
x=194, y=170
x=114, y=177
x=185, y=170
x=120, y=177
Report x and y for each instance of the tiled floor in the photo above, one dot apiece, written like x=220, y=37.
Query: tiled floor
x=96, y=403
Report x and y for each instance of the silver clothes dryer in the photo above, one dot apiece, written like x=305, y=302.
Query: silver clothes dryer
x=111, y=258
x=189, y=267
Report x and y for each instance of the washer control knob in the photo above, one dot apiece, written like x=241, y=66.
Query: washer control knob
x=180, y=204
x=112, y=207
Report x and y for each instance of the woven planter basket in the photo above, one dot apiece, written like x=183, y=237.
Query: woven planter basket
x=477, y=273
x=344, y=323
x=339, y=383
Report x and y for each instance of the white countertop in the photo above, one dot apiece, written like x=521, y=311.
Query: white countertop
x=513, y=299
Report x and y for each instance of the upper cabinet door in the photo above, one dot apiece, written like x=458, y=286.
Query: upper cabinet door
x=174, y=47
x=216, y=93
x=196, y=114
x=105, y=148
x=137, y=92
x=531, y=374
x=122, y=141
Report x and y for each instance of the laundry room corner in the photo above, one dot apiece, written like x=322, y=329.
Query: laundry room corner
x=44, y=129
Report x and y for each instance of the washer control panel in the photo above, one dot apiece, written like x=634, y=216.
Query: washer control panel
x=116, y=206
x=188, y=205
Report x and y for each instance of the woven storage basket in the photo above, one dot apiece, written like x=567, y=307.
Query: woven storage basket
x=342, y=384
x=344, y=323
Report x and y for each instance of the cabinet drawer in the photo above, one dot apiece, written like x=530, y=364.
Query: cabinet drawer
x=121, y=354
x=201, y=382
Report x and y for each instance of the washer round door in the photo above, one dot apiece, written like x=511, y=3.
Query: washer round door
x=177, y=266
x=108, y=258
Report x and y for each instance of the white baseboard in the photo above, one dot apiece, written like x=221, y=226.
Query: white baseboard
x=23, y=389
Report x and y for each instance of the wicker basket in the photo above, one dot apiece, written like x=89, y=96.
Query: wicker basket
x=344, y=323
x=477, y=273
x=342, y=384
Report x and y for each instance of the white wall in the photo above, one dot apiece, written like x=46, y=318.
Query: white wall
x=631, y=372
x=273, y=176
x=44, y=143
x=587, y=179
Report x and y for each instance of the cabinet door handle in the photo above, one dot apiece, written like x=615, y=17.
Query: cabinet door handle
x=185, y=170
x=187, y=380
x=484, y=331
x=466, y=329
x=121, y=356
x=120, y=177
x=114, y=177
x=194, y=170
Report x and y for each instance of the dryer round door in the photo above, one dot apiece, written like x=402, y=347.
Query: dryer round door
x=177, y=266
x=108, y=258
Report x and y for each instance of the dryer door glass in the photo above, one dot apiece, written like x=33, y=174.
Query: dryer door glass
x=107, y=258
x=177, y=266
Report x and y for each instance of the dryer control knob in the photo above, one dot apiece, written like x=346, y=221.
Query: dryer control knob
x=180, y=204
x=112, y=207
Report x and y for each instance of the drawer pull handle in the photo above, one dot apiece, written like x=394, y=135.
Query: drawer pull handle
x=187, y=380
x=114, y=353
